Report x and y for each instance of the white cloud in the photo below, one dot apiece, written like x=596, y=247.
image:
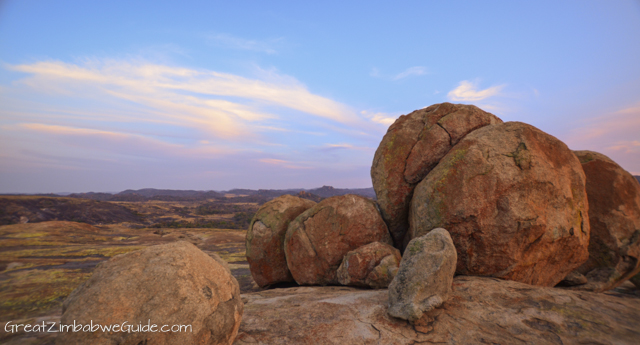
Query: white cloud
x=411, y=71
x=184, y=96
x=468, y=91
x=416, y=70
x=380, y=118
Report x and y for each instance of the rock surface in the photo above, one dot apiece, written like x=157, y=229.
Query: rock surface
x=412, y=146
x=614, y=216
x=319, y=238
x=265, y=239
x=373, y=265
x=479, y=311
x=513, y=199
x=172, y=284
x=424, y=279
x=636, y=280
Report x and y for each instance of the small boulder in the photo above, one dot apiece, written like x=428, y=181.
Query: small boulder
x=614, y=216
x=413, y=145
x=265, y=239
x=513, y=199
x=373, y=265
x=171, y=284
x=425, y=276
x=319, y=238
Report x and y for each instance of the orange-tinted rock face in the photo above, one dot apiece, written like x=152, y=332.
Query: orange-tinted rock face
x=171, y=284
x=413, y=146
x=372, y=265
x=614, y=215
x=265, y=239
x=513, y=199
x=319, y=238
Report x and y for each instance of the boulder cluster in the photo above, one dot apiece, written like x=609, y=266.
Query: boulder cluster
x=339, y=240
x=516, y=203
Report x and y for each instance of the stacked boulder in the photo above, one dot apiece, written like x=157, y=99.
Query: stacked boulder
x=515, y=203
x=265, y=239
x=308, y=243
x=373, y=265
x=513, y=199
x=412, y=147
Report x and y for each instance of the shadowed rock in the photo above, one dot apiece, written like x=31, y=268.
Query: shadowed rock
x=265, y=239
x=412, y=146
x=425, y=275
x=318, y=239
x=636, y=280
x=614, y=216
x=172, y=284
x=513, y=199
x=373, y=265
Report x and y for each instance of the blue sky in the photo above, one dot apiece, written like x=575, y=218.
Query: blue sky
x=106, y=96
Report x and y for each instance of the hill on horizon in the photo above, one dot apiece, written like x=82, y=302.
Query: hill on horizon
x=146, y=194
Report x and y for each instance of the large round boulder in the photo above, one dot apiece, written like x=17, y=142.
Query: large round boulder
x=412, y=146
x=614, y=215
x=319, y=238
x=265, y=239
x=164, y=294
x=513, y=199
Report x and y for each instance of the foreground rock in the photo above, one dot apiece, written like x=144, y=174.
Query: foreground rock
x=513, y=199
x=172, y=284
x=318, y=239
x=373, y=265
x=265, y=239
x=479, y=311
x=424, y=279
x=412, y=147
x=614, y=215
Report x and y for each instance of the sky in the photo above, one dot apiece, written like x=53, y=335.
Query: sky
x=211, y=95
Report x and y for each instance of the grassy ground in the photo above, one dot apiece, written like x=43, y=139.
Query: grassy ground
x=41, y=263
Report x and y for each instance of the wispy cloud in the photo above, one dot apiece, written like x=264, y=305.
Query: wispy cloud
x=345, y=146
x=468, y=91
x=188, y=96
x=380, y=118
x=265, y=46
x=111, y=117
x=411, y=71
x=615, y=134
x=416, y=70
x=284, y=164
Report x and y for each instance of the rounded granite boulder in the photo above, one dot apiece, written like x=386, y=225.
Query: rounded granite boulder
x=373, y=265
x=412, y=146
x=265, y=239
x=319, y=238
x=164, y=294
x=513, y=199
x=614, y=216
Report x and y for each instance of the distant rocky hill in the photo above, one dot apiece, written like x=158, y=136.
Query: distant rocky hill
x=150, y=194
x=240, y=195
x=637, y=178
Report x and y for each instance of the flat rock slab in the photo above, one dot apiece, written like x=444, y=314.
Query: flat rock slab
x=480, y=310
